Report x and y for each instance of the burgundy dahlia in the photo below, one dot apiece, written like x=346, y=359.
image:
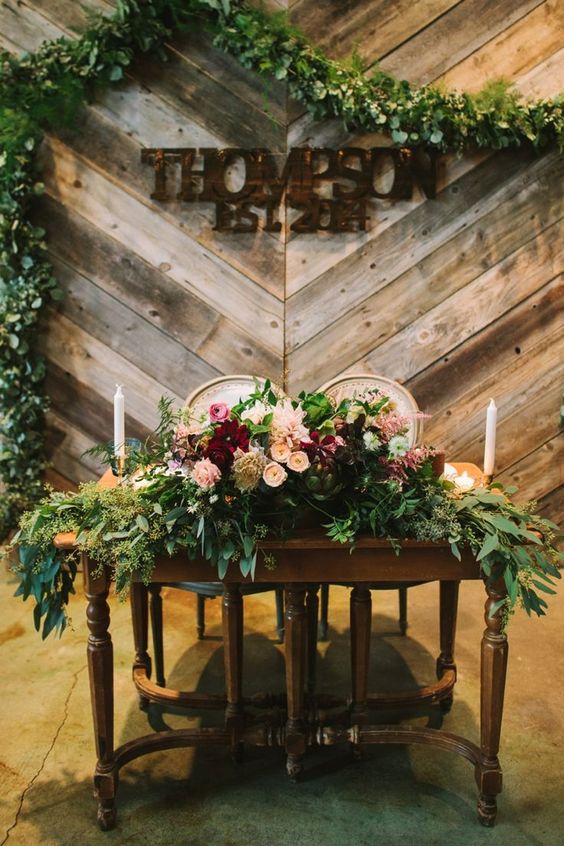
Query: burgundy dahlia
x=227, y=437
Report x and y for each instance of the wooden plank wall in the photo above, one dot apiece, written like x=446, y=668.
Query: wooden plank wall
x=459, y=298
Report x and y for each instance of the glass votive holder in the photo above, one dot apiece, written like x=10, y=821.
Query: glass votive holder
x=131, y=459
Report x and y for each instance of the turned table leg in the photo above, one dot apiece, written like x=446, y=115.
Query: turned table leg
x=312, y=609
x=361, y=624
x=233, y=660
x=295, y=650
x=140, y=624
x=158, y=634
x=493, y=672
x=101, y=672
x=448, y=613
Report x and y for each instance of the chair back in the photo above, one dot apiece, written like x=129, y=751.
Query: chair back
x=228, y=389
x=347, y=387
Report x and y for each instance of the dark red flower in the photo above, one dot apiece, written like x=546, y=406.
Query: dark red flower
x=233, y=434
x=227, y=437
x=321, y=448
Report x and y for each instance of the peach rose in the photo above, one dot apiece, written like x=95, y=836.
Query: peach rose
x=298, y=461
x=274, y=474
x=280, y=451
x=205, y=473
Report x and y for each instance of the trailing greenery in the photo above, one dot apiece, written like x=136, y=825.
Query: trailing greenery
x=44, y=90
x=218, y=485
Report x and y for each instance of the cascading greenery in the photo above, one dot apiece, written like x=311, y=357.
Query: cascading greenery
x=44, y=91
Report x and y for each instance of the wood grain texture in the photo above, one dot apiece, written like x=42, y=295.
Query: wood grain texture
x=460, y=297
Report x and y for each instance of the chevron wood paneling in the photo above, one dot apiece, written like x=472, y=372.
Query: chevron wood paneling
x=460, y=297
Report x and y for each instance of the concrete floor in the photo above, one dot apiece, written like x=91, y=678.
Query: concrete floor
x=395, y=795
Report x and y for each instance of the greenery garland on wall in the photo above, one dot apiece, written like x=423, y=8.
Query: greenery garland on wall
x=44, y=90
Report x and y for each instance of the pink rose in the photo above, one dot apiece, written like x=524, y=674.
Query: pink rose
x=219, y=412
x=298, y=461
x=280, y=451
x=274, y=474
x=182, y=431
x=205, y=473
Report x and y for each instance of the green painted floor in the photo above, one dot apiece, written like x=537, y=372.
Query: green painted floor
x=396, y=795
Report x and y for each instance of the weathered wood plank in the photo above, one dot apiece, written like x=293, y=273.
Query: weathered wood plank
x=113, y=211
x=463, y=30
x=513, y=53
x=440, y=387
x=93, y=363
x=70, y=15
x=407, y=242
x=546, y=79
x=21, y=28
x=467, y=311
x=551, y=506
x=104, y=317
x=85, y=409
x=538, y=473
x=152, y=294
x=373, y=27
x=512, y=386
x=309, y=257
x=189, y=89
x=428, y=282
x=59, y=482
x=66, y=447
x=518, y=428
x=117, y=156
x=263, y=93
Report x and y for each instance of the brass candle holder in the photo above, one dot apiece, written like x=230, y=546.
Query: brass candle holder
x=122, y=464
x=488, y=478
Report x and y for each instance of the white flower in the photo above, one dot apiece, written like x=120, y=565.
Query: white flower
x=371, y=441
x=398, y=446
x=353, y=413
x=287, y=423
x=256, y=413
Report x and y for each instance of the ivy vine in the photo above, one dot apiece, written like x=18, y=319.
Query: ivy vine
x=44, y=90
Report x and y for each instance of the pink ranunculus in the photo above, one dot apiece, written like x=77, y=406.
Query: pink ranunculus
x=205, y=473
x=298, y=461
x=219, y=412
x=274, y=474
x=280, y=451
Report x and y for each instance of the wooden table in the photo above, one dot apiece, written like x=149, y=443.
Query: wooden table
x=295, y=720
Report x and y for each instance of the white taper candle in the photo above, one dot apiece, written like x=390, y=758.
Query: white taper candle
x=119, y=423
x=489, y=446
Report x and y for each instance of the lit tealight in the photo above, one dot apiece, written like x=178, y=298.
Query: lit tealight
x=464, y=482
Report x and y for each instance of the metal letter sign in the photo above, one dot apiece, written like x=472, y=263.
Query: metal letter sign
x=328, y=190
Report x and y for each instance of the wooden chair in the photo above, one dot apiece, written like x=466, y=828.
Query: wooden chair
x=345, y=387
x=227, y=389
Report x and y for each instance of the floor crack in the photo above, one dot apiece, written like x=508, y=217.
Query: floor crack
x=45, y=757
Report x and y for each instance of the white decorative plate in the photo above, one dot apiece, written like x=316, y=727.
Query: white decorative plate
x=346, y=387
x=227, y=389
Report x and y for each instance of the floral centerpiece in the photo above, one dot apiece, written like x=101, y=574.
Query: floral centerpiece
x=218, y=483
